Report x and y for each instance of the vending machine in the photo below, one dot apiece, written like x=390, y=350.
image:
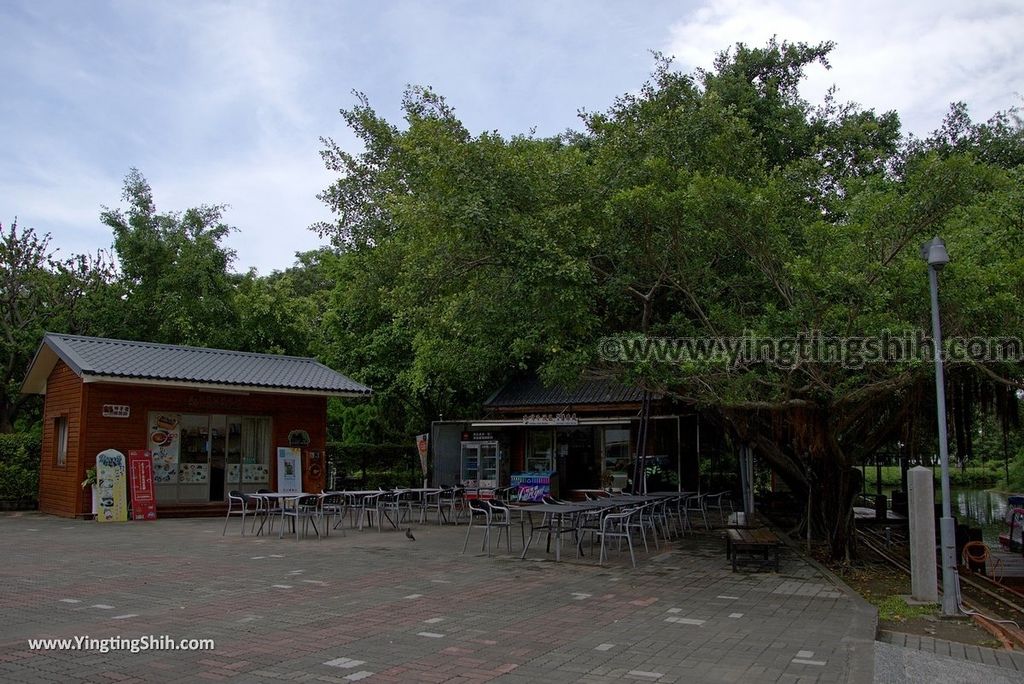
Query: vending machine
x=481, y=460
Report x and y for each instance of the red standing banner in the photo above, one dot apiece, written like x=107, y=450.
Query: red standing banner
x=140, y=477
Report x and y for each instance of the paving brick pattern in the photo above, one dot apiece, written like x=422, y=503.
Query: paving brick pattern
x=375, y=606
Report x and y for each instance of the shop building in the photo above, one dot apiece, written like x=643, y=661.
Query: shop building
x=213, y=419
x=567, y=439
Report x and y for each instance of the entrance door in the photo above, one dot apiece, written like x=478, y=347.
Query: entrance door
x=194, y=465
x=582, y=470
x=218, y=456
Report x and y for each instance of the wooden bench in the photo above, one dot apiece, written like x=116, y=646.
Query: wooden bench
x=758, y=547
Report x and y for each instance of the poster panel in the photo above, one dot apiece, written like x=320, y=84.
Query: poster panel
x=164, y=443
x=111, y=487
x=140, y=476
x=289, y=470
x=532, y=486
x=423, y=448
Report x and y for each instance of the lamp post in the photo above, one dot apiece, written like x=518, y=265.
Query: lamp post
x=934, y=253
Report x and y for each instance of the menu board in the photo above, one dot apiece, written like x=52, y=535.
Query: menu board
x=164, y=441
x=193, y=473
x=140, y=471
x=255, y=473
x=251, y=473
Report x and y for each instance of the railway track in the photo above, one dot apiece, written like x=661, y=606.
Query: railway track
x=978, y=594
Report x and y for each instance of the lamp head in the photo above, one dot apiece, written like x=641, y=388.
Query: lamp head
x=934, y=252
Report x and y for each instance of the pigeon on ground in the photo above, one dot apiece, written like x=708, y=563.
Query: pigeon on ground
x=408, y=534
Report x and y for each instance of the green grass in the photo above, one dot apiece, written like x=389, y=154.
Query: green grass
x=896, y=609
x=983, y=477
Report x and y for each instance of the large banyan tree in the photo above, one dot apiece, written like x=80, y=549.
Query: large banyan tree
x=714, y=208
x=747, y=217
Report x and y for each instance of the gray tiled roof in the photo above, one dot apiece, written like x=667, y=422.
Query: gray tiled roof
x=530, y=391
x=97, y=356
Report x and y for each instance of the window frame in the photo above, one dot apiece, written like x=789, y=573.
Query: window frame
x=61, y=437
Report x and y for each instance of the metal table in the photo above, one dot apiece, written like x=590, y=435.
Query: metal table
x=558, y=512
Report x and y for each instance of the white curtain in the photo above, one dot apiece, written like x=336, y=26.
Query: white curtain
x=255, y=440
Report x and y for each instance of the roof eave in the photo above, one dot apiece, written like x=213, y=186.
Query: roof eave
x=225, y=387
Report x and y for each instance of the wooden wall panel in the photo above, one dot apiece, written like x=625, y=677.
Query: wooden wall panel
x=60, y=491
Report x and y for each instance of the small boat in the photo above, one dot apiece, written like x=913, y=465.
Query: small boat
x=1013, y=538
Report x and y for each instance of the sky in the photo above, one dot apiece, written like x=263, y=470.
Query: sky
x=226, y=102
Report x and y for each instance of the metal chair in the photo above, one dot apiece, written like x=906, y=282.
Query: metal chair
x=389, y=505
x=368, y=510
x=696, y=504
x=648, y=517
x=617, y=526
x=431, y=502
x=501, y=518
x=718, y=502
x=676, y=514
x=238, y=504
x=589, y=522
x=479, y=510
x=307, y=509
x=660, y=511
x=331, y=506
x=452, y=500
x=411, y=504
x=267, y=510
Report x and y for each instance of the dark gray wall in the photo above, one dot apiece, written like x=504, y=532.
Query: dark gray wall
x=446, y=450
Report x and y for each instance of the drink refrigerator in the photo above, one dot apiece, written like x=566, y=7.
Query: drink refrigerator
x=481, y=462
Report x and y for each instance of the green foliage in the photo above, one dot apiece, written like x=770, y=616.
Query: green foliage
x=714, y=204
x=90, y=477
x=971, y=477
x=461, y=259
x=39, y=292
x=173, y=270
x=375, y=465
x=19, y=467
x=1016, y=482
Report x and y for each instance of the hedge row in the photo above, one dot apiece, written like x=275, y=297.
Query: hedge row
x=972, y=477
x=19, y=467
x=366, y=466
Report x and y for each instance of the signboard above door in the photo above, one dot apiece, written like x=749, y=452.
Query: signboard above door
x=117, y=411
x=551, y=419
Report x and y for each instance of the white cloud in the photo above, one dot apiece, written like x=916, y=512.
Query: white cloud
x=271, y=200
x=223, y=102
x=915, y=56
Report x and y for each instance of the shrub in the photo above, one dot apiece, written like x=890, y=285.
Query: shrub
x=374, y=465
x=19, y=467
x=1016, y=483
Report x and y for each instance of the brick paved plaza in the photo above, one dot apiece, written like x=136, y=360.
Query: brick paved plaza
x=376, y=606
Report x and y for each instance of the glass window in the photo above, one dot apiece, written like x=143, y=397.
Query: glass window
x=60, y=435
x=194, y=458
x=254, y=443
x=615, y=445
x=540, y=451
x=198, y=456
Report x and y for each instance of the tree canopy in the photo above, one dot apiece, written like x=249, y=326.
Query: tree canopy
x=712, y=205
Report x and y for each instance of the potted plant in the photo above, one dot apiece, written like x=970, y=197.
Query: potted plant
x=90, y=481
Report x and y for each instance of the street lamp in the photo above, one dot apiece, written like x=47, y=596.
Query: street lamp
x=934, y=253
